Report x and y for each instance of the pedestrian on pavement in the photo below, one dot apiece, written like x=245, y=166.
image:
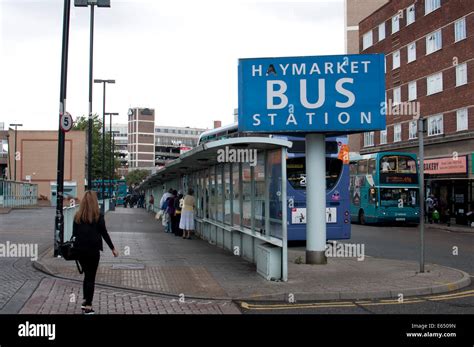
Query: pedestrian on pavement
x=151, y=203
x=178, y=206
x=429, y=203
x=88, y=230
x=187, y=214
x=164, y=197
x=170, y=210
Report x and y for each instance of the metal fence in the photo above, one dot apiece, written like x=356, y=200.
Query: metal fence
x=69, y=212
x=18, y=194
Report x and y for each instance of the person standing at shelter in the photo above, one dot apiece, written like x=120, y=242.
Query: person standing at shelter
x=89, y=230
x=171, y=211
x=187, y=214
x=151, y=202
x=178, y=206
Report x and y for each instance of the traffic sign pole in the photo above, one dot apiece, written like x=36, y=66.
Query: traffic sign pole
x=59, y=219
x=315, y=199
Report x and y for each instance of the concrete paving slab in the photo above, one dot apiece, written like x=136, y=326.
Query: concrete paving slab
x=197, y=269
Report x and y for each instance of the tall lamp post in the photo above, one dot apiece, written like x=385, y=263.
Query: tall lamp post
x=91, y=3
x=104, y=82
x=111, y=149
x=14, y=153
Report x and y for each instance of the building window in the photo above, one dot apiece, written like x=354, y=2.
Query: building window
x=395, y=24
x=396, y=60
x=431, y=5
x=412, y=129
x=434, y=42
x=397, y=96
x=397, y=132
x=383, y=137
x=381, y=31
x=460, y=30
x=367, y=40
x=412, y=91
x=462, y=119
x=461, y=75
x=434, y=83
x=411, y=52
x=411, y=14
x=369, y=139
x=435, y=125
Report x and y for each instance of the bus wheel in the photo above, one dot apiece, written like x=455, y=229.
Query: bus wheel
x=361, y=217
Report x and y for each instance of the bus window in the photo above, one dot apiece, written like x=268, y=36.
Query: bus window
x=362, y=167
x=371, y=165
x=372, y=196
x=391, y=197
x=333, y=171
x=296, y=172
x=353, y=168
x=398, y=164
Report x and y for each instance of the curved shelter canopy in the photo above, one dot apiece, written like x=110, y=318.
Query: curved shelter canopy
x=241, y=205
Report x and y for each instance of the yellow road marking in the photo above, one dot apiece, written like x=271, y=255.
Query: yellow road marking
x=441, y=297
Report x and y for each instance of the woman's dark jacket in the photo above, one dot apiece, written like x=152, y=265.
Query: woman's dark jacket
x=89, y=236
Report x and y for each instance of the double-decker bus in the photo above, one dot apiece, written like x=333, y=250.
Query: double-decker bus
x=384, y=188
x=337, y=182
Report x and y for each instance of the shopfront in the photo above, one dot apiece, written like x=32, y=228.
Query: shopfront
x=448, y=180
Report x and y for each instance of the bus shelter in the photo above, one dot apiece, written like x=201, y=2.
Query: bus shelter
x=240, y=190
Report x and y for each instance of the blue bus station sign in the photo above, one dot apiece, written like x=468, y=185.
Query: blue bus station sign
x=325, y=94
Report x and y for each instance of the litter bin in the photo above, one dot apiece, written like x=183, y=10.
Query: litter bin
x=112, y=205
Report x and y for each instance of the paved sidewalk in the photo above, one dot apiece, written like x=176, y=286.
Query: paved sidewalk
x=54, y=296
x=452, y=228
x=162, y=263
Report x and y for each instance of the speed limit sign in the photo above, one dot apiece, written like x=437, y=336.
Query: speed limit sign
x=66, y=122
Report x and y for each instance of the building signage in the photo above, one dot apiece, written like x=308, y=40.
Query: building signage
x=327, y=94
x=442, y=166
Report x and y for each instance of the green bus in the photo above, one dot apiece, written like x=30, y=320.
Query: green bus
x=384, y=188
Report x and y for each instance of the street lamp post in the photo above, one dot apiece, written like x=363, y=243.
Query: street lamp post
x=16, y=125
x=104, y=82
x=111, y=150
x=91, y=3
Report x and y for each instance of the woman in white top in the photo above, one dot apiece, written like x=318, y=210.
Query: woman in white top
x=187, y=214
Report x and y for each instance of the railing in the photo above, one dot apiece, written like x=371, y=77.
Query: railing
x=69, y=212
x=18, y=194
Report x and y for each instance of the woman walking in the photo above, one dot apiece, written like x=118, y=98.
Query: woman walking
x=187, y=214
x=88, y=230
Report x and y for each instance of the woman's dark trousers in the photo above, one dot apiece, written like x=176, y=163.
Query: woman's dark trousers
x=89, y=263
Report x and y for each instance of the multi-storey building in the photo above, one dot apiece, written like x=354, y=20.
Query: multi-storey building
x=429, y=51
x=354, y=12
x=141, y=138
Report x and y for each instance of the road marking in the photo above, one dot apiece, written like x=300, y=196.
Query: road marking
x=335, y=304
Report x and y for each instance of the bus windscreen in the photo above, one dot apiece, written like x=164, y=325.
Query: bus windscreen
x=296, y=172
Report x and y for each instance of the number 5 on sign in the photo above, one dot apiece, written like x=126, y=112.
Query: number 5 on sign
x=66, y=122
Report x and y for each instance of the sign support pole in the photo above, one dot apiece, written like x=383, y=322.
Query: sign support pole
x=421, y=158
x=59, y=219
x=315, y=199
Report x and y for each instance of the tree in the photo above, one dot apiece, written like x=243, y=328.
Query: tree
x=82, y=124
x=136, y=177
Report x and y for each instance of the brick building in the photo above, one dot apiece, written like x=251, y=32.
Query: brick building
x=141, y=138
x=429, y=50
x=37, y=153
x=354, y=12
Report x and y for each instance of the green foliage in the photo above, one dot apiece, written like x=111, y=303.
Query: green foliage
x=82, y=124
x=135, y=177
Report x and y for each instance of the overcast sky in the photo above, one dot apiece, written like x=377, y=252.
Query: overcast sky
x=178, y=57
